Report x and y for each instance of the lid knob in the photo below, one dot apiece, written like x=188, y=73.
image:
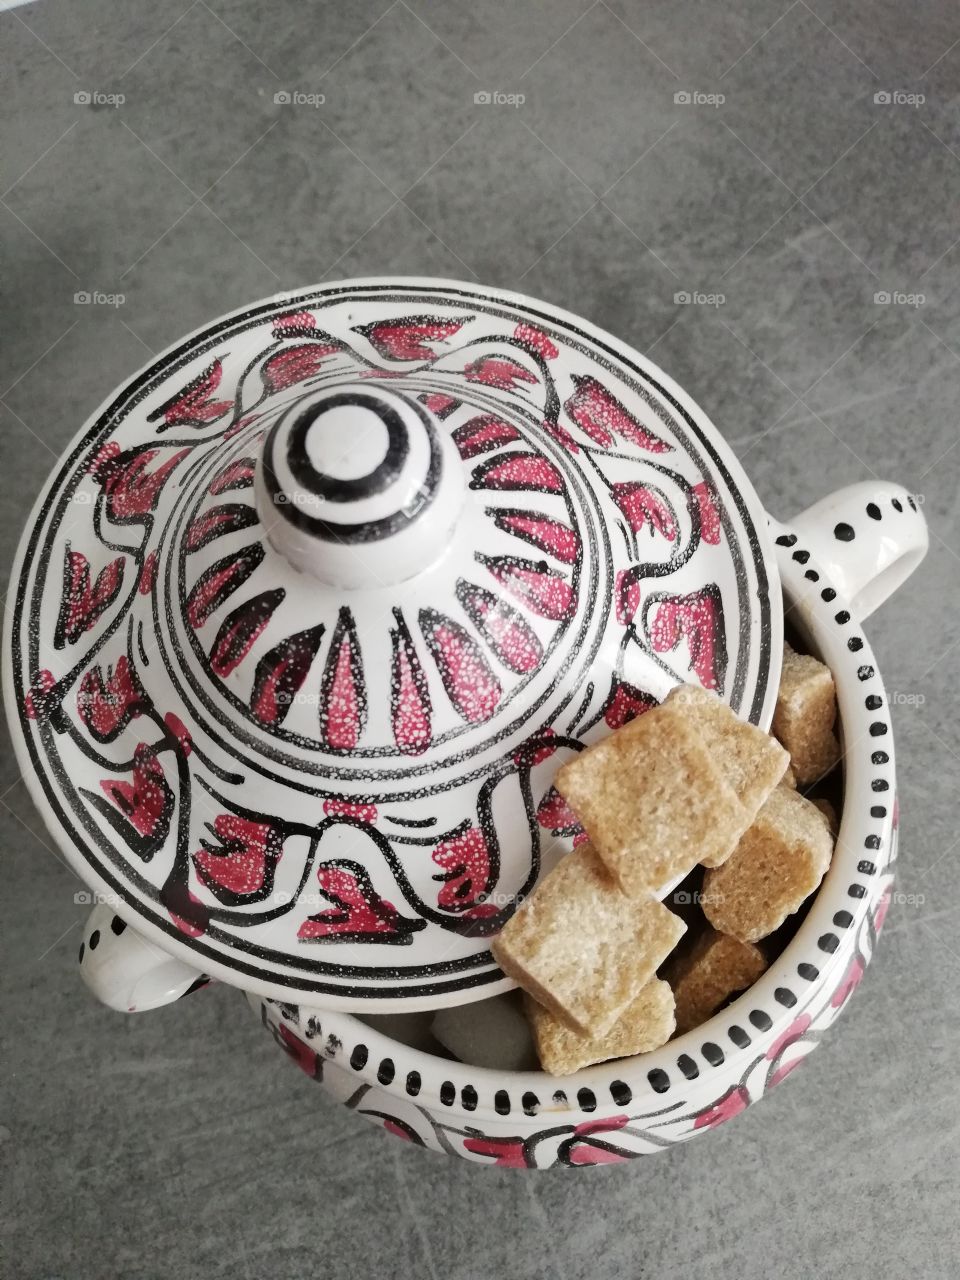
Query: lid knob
x=358, y=487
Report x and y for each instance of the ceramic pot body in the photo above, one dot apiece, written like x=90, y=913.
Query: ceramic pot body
x=618, y=1111
x=308, y=616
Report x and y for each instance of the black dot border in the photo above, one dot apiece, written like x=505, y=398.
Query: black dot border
x=711, y=1056
x=844, y=531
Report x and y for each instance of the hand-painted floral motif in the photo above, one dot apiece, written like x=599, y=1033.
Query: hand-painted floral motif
x=300, y=777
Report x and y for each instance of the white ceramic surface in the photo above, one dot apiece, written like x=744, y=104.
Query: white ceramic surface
x=346, y=485
x=315, y=606
x=618, y=1111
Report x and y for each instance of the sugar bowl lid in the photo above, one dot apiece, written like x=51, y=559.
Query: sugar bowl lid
x=312, y=610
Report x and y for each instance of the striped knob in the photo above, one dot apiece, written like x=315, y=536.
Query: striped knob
x=359, y=487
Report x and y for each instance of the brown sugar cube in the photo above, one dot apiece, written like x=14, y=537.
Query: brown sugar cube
x=830, y=813
x=582, y=948
x=789, y=779
x=708, y=973
x=645, y=1024
x=777, y=865
x=652, y=801
x=805, y=716
x=752, y=762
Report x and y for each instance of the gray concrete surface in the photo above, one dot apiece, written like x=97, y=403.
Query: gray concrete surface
x=178, y=1144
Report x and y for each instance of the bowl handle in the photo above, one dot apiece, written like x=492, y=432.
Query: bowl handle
x=127, y=972
x=869, y=537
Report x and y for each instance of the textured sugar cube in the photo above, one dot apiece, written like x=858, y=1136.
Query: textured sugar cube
x=708, y=973
x=490, y=1033
x=776, y=866
x=805, y=716
x=789, y=778
x=652, y=801
x=752, y=762
x=582, y=948
x=645, y=1024
x=830, y=813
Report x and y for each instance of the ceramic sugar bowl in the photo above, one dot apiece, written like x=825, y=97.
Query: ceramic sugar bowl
x=308, y=617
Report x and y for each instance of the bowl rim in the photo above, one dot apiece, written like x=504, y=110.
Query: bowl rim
x=665, y=1077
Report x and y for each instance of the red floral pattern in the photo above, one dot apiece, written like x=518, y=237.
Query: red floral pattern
x=37, y=701
x=849, y=982
x=537, y=341
x=545, y=592
x=625, y=703
x=408, y=339
x=180, y=732
x=709, y=516
x=519, y=471
x=339, y=809
x=552, y=536
x=147, y=574
x=470, y=682
x=439, y=404
x=130, y=487
x=107, y=703
x=83, y=603
x=507, y=1153
x=243, y=861
x=195, y=405
x=626, y=596
x=295, y=324
x=490, y=634
x=296, y=364
x=147, y=801
x=599, y=413
x=562, y=436
x=731, y=1104
x=410, y=708
x=589, y=1145
x=343, y=698
x=511, y=639
x=495, y=371
x=465, y=862
x=642, y=506
x=357, y=908
x=483, y=433
x=697, y=618
x=554, y=813
x=795, y=1031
